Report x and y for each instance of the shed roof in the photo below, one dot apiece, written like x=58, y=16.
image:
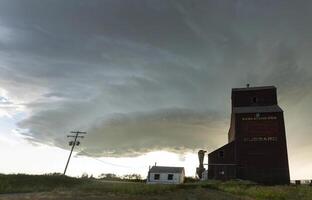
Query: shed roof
x=253, y=88
x=232, y=143
x=164, y=169
x=257, y=109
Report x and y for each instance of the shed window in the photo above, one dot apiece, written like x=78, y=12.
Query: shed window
x=255, y=100
x=156, y=176
x=170, y=176
x=221, y=154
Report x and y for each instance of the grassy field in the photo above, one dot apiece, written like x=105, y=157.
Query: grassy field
x=254, y=191
x=62, y=187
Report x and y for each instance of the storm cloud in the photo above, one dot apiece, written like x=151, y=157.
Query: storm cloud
x=140, y=76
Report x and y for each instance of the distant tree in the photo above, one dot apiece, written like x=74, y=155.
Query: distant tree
x=84, y=175
x=108, y=176
x=135, y=177
x=54, y=174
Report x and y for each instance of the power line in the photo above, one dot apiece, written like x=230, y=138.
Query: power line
x=105, y=162
x=73, y=144
x=109, y=163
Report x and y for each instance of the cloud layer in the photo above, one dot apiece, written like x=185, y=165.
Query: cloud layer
x=148, y=75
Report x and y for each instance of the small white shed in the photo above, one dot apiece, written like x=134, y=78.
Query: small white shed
x=165, y=175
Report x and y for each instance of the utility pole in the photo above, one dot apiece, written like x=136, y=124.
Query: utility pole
x=73, y=144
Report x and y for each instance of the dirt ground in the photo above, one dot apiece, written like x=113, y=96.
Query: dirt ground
x=196, y=194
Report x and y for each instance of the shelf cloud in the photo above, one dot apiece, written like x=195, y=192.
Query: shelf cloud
x=142, y=76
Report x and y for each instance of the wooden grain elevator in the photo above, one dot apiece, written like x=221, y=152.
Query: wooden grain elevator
x=256, y=148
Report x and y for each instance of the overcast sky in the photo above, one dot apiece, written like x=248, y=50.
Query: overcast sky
x=148, y=76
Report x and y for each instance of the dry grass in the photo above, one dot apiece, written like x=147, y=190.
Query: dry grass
x=61, y=187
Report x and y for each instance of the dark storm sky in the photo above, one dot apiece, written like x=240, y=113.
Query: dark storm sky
x=142, y=75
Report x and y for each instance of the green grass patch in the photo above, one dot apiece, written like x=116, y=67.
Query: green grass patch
x=21, y=183
x=260, y=192
x=18, y=183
